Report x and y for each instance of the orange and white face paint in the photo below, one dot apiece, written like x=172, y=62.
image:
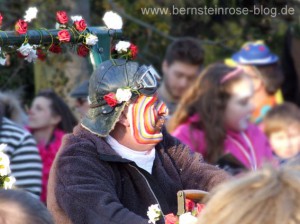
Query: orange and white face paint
x=146, y=116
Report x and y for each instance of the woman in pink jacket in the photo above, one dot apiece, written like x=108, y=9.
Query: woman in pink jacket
x=49, y=119
x=213, y=119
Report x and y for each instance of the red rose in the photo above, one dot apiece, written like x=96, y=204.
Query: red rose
x=133, y=50
x=200, y=207
x=21, y=55
x=80, y=25
x=64, y=36
x=189, y=205
x=55, y=48
x=83, y=50
x=1, y=18
x=110, y=99
x=41, y=55
x=113, y=50
x=62, y=17
x=21, y=27
x=171, y=219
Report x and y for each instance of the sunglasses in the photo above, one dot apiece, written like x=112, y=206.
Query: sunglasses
x=147, y=80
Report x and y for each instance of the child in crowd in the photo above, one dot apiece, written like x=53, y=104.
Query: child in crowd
x=213, y=118
x=282, y=126
x=262, y=67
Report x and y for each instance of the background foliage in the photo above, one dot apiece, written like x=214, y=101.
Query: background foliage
x=221, y=35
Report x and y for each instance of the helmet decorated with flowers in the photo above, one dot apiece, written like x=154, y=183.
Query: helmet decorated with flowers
x=112, y=85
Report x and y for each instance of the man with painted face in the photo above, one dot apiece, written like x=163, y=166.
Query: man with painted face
x=120, y=160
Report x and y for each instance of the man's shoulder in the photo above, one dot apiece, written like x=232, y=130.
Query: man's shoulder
x=9, y=124
x=9, y=129
x=81, y=142
x=79, y=137
x=168, y=141
x=81, y=151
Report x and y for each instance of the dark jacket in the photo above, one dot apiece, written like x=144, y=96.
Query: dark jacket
x=92, y=184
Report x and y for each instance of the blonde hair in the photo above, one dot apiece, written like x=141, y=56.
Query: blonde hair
x=267, y=196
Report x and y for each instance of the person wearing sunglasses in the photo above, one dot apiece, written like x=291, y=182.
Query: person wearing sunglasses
x=120, y=160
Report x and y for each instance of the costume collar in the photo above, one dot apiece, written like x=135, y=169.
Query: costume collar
x=143, y=159
x=105, y=151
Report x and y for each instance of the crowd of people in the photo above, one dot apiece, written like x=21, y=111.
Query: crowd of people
x=223, y=128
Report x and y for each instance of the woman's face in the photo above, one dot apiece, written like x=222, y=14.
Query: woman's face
x=146, y=117
x=40, y=114
x=239, y=106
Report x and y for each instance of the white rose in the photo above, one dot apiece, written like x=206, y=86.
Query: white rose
x=4, y=164
x=187, y=218
x=112, y=20
x=2, y=147
x=57, y=25
x=76, y=18
x=123, y=95
x=91, y=39
x=32, y=56
x=153, y=213
x=122, y=46
x=25, y=49
x=30, y=14
x=2, y=61
x=9, y=182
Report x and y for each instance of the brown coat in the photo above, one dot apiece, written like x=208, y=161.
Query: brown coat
x=89, y=183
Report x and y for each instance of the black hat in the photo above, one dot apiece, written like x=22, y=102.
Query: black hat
x=81, y=91
x=111, y=78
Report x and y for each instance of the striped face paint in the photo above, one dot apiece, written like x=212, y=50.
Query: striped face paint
x=146, y=116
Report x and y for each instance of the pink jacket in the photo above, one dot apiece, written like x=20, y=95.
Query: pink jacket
x=237, y=143
x=48, y=153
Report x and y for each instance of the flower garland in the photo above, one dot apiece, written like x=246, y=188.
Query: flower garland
x=121, y=95
x=74, y=31
x=193, y=209
x=124, y=49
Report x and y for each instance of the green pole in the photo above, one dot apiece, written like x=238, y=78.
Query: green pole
x=101, y=51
